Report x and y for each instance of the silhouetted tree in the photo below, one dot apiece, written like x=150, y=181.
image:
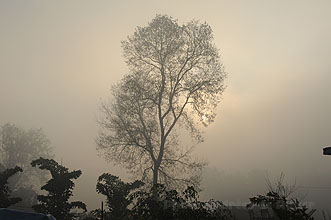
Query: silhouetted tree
x=18, y=147
x=278, y=198
x=280, y=188
x=59, y=189
x=285, y=209
x=117, y=193
x=5, y=200
x=175, y=80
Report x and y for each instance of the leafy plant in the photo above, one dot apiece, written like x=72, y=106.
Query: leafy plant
x=59, y=190
x=117, y=193
x=284, y=208
x=162, y=204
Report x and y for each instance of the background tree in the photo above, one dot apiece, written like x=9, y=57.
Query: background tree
x=117, y=193
x=5, y=200
x=18, y=147
x=280, y=199
x=289, y=209
x=175, y=80
x=59, y=190
x=280, y=188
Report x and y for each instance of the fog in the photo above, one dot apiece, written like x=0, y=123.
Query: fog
x=58, y=61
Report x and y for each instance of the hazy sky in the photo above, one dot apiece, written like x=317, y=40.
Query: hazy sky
x=58, y=59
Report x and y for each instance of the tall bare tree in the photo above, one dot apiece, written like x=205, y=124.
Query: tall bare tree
x=175, y=81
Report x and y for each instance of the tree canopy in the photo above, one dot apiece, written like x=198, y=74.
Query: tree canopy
x=59, y=190
x=175, y=81
x=117, y=193
x=174, y=205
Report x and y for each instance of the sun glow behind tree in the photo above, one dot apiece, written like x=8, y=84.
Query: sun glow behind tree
x=175, y=78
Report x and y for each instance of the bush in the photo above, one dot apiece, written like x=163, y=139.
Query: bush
x=59, y=190
x=284, y=208
x=159, y=203
x=131, y=201
x=5, y=191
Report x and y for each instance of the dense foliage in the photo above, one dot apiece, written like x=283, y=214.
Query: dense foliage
x=284, y=208
x=5, y=199
x=117, y=193
x=59, y=189
x=133, y=201
x=159, y=203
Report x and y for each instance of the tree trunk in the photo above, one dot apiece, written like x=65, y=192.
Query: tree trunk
x=155, y=181
x=155, y=174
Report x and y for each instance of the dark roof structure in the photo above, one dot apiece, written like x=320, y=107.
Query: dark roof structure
x=327, y=151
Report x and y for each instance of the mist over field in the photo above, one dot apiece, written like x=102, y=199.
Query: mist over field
x=59, y=60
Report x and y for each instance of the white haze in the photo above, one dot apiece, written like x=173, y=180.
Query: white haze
x=58, y=60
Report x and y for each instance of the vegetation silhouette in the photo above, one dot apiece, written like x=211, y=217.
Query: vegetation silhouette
x=5, y=198
x=59, y=189
x=285, y=209
x=173, y=205
x=279, y=199
x=117, y=193
x=18, y=147
x=134, y=201
x=137, y=201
